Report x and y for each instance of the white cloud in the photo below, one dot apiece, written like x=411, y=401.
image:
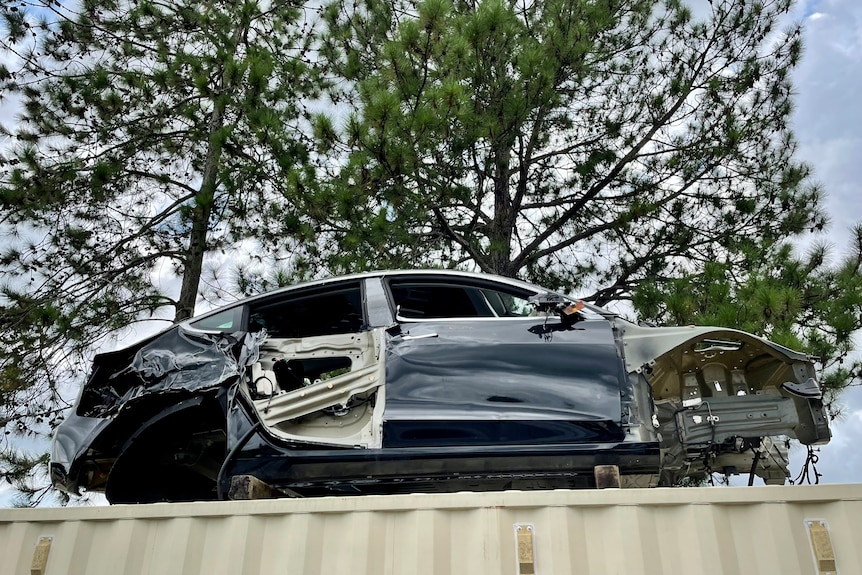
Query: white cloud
x=841, y=460
x=828, y=124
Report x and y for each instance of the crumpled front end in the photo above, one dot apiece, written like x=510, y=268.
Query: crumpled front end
x=726, y=401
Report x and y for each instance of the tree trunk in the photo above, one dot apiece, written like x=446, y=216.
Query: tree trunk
x=204, y=200
x=200, y=220
x=500, y=232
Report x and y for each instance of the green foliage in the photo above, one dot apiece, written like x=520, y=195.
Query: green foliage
x=25, y=473
x=583, y=145
x=622, y=149
x=152, y=136
x=802, y=302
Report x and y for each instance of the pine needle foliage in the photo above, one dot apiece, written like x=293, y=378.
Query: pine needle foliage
x=584, y=145
x=151, y=137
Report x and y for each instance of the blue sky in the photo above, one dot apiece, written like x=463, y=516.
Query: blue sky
x=828, y=125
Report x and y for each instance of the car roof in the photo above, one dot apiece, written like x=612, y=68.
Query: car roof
x=424, y=273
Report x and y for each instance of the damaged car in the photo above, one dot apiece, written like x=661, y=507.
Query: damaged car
x=430, y=381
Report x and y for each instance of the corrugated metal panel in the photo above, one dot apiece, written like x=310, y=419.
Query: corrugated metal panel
x=651, y=531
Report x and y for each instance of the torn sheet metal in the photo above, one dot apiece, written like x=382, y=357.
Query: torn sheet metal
x=179, y=359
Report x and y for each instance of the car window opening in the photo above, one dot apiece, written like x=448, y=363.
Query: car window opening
x=224, y=321
x=438, y=301
x=328, y=313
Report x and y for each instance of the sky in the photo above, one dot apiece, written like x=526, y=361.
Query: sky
x=828, y=125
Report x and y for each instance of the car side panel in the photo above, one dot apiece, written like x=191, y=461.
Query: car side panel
x=506, y=380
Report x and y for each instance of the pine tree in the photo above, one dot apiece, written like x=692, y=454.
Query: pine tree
x=582, y=145
x=152, y=135
x=618, y=149
x=801, y=301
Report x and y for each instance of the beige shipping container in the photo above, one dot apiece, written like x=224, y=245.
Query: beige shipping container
x=765, y=530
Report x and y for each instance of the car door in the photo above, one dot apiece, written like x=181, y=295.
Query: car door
x=320, y=371
x=472, y=364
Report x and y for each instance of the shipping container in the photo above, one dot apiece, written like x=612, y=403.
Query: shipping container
x=768, y=530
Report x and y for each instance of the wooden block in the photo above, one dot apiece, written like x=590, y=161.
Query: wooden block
x=607, y=476
x=250, y=487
